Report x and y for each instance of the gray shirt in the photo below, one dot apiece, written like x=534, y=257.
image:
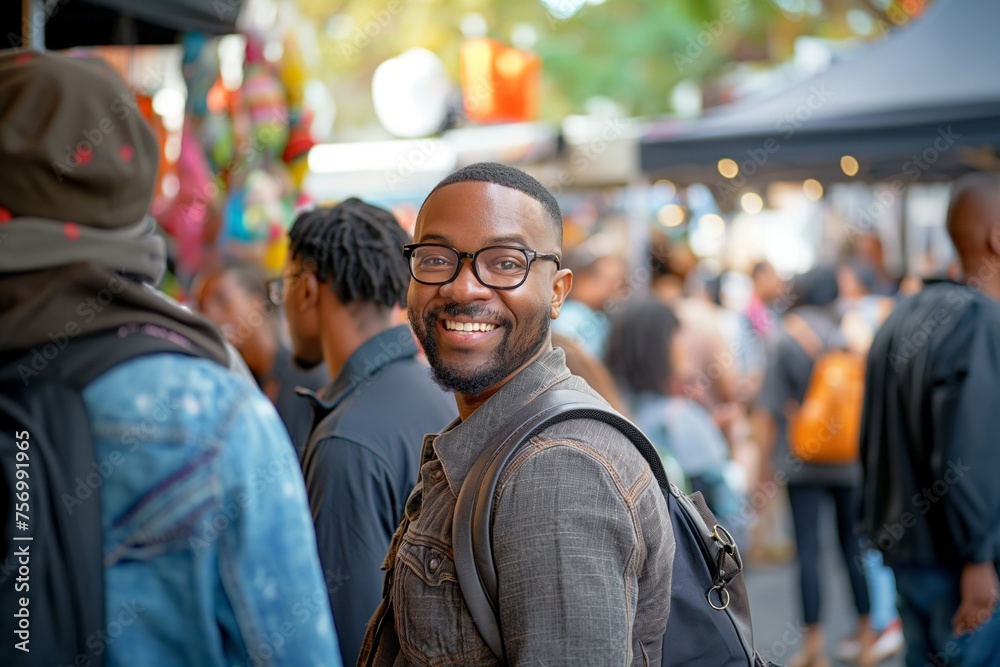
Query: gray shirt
x=582, y=542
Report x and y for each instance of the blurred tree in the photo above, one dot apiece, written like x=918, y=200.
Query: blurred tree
x=632, y=51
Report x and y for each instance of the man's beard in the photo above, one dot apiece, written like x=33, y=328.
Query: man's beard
x=506, y=358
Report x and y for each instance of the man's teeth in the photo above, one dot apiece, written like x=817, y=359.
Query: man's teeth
x=468, y=326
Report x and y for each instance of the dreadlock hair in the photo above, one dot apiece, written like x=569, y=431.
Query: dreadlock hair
x=357, y=248
x=508, y=177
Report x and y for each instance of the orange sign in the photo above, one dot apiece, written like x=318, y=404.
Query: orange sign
x=500, y=84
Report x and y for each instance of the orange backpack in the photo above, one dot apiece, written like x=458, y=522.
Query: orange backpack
x=827, y=427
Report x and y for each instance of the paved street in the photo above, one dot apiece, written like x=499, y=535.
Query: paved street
x=777, y=625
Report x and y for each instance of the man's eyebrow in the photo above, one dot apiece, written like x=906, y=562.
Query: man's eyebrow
x=515, y=239
x=511, y=239
x=425, y=238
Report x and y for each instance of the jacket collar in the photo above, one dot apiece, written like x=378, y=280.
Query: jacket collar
x=363, y=366
x=461, y=443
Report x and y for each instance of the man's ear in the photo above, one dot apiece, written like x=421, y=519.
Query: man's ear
x=562, y=283
x=993, y=239
x=310, y=290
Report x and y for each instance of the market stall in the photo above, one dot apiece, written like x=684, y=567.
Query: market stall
x=922, y=104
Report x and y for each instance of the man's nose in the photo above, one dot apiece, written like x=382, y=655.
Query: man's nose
x=466, y=287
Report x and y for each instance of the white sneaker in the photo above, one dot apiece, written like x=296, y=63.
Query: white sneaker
x=889, y=642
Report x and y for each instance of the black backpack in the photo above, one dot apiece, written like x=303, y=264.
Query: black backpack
x=709, y=621
x=52, y=552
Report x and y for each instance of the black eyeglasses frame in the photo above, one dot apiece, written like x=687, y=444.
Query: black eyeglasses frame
x=530, y=254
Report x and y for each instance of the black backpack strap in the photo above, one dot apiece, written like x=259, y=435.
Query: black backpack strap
x=472, y=522
x=94, y=355
x=84, y=359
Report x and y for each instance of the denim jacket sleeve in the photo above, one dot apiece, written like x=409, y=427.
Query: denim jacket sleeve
x=268, y=560
x=571, y=578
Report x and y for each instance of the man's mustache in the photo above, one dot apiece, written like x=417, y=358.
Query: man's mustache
x=472, y=311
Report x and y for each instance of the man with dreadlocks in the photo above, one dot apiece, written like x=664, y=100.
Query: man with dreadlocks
x=345, y=275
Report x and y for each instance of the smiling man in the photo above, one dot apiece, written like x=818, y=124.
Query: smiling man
x=582, y=541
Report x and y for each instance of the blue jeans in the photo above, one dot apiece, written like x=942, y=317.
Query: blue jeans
x=881, y=590
x=806, y=501
x=928, y=598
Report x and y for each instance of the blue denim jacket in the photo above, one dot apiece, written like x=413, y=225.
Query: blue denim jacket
x=210, y=555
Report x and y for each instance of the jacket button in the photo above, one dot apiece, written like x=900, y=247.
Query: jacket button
x=435, y=475
x=433, y=564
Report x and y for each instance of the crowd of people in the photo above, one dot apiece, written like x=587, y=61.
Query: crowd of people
x=284, y=463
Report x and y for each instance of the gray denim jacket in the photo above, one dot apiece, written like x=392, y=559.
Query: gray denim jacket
x=582, y=542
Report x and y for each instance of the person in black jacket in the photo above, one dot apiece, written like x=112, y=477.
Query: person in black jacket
x=929, y=446
x=344, y=276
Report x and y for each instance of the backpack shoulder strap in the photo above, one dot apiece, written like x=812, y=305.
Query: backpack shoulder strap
x=86, y=358
x=97, y=354
x=472, y=521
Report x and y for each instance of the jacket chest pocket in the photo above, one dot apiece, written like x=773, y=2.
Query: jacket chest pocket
x=432, y=621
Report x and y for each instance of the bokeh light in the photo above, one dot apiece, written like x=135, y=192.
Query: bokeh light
x=728, y=167
x=752, y=203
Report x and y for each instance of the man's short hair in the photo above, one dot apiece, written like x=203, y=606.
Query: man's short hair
x=357, y=247
x=248, y=275
x=508, y=177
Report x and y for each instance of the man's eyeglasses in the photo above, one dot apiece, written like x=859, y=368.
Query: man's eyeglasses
x=496, y=267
